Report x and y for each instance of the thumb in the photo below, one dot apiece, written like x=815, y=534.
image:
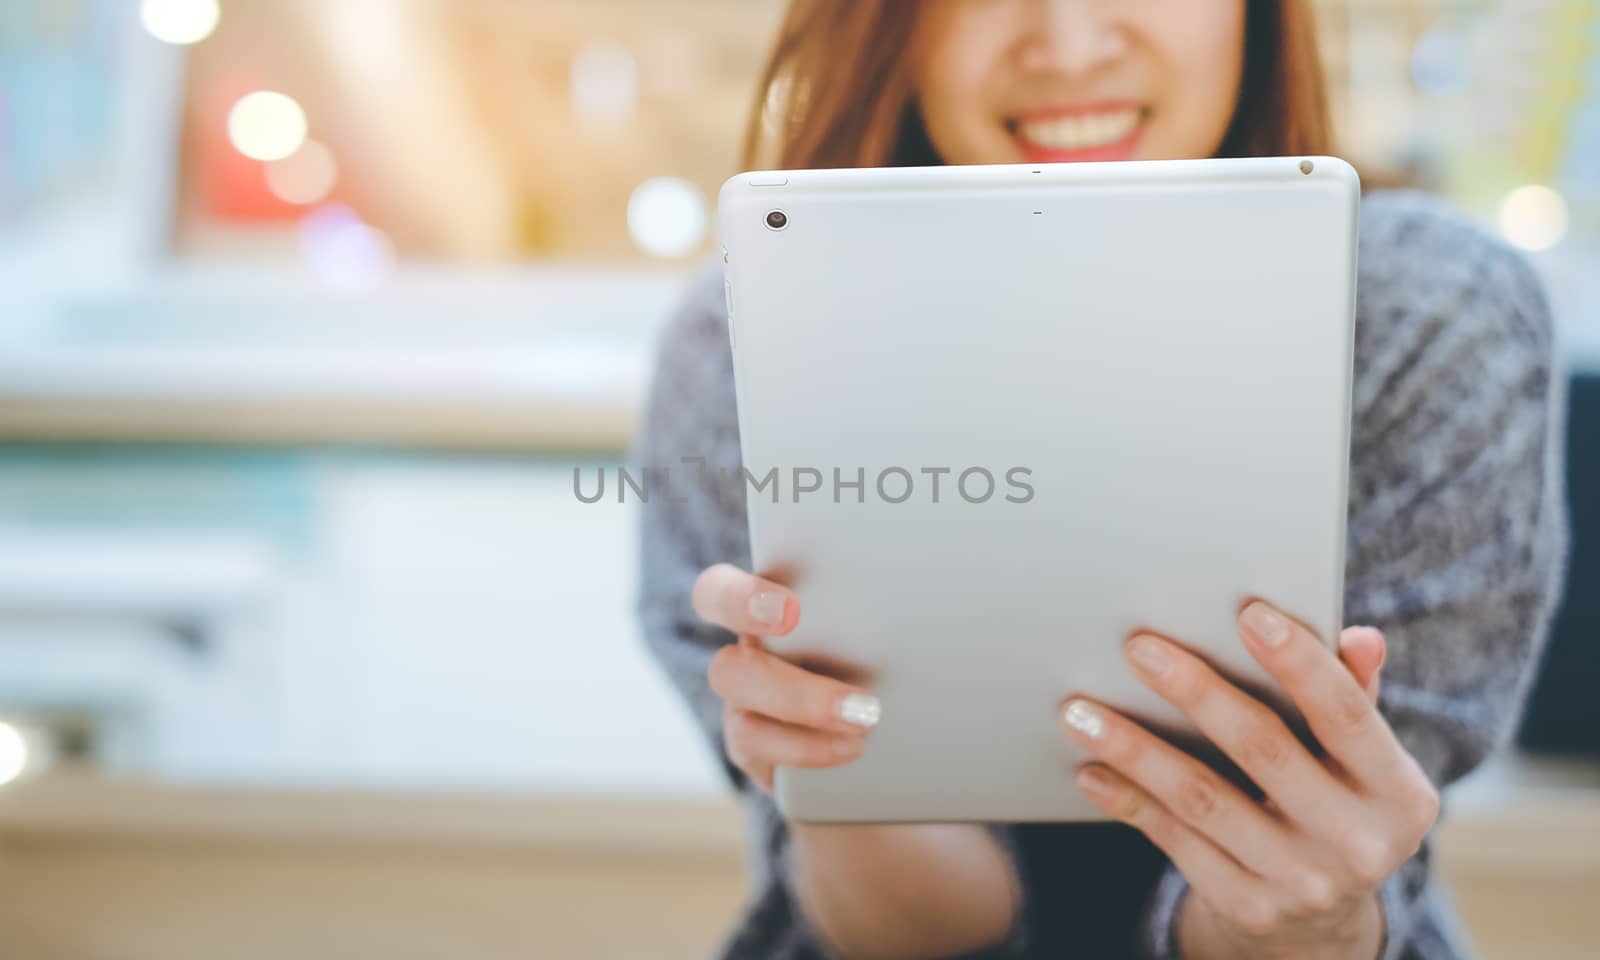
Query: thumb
x=1362, y=650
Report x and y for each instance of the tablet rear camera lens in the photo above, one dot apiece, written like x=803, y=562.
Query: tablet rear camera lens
x=777, y=220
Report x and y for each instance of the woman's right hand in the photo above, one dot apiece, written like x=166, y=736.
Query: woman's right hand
x=869, y=889
x=775, y=713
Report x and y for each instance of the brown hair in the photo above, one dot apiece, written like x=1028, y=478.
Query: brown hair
x=837, y=88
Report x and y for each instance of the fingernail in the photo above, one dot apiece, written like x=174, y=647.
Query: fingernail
x=1095, y=780
x=1149, y=654
x=1267, y=624
x=1085, y=719
x=767, y=607
x=861, y=710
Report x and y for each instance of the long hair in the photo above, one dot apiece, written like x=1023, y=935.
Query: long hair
x=837, y=88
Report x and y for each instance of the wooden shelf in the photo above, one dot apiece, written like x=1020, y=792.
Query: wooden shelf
x=509, y=426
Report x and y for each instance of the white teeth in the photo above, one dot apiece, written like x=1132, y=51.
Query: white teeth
x=1082, y=132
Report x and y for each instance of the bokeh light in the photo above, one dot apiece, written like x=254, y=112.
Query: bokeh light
x=180, y=21
x=1533, y=217
x=304, y=177
x=347, y=253
x=13, y=753
x=266, y=125
x=666, y=217
x=605, y=85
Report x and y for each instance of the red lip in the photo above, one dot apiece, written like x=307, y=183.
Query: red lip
x=1123, y=149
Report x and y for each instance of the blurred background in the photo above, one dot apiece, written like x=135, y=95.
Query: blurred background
x=307, y=312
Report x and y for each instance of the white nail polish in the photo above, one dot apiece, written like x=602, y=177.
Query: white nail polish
x=861, y=710
x=1084, y=719
x=766, y=607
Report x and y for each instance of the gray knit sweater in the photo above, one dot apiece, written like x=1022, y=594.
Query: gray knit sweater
x=1456, y=537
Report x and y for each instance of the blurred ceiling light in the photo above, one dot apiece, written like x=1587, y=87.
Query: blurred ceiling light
x=666, y=217
x=266, y=126
x=305, y=176
x=1533, y=217
x=13, y=753
x=348, y=254
x=1440, y=63
x=605, y=85
x=180, y=21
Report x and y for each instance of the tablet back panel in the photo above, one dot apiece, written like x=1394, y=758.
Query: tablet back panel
x=1153, y=358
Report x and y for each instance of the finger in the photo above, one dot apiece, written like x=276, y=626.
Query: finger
x=1185, y=787
x=1209, y=870
x=1341, y=716
x=1363, y=649
x=756, y=744
x=744, y=603
x=1245, y=729
x=757, y=769
x=750, y=678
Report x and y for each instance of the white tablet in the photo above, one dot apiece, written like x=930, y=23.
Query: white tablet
x=994, y=419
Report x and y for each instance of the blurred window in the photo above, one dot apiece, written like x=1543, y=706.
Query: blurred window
x=59, y=68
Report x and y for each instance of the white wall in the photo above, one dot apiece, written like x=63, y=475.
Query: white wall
x=490, y=616
x=454, y=623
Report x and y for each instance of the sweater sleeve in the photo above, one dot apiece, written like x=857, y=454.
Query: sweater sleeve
x=689, y=439
x=1457, y=522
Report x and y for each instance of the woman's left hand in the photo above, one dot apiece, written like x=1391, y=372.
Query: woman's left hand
x=1294, y=875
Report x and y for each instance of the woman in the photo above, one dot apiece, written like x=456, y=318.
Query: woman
x=1455, y=532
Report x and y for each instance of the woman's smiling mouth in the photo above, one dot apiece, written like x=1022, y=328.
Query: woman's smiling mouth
x=1082, y=133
